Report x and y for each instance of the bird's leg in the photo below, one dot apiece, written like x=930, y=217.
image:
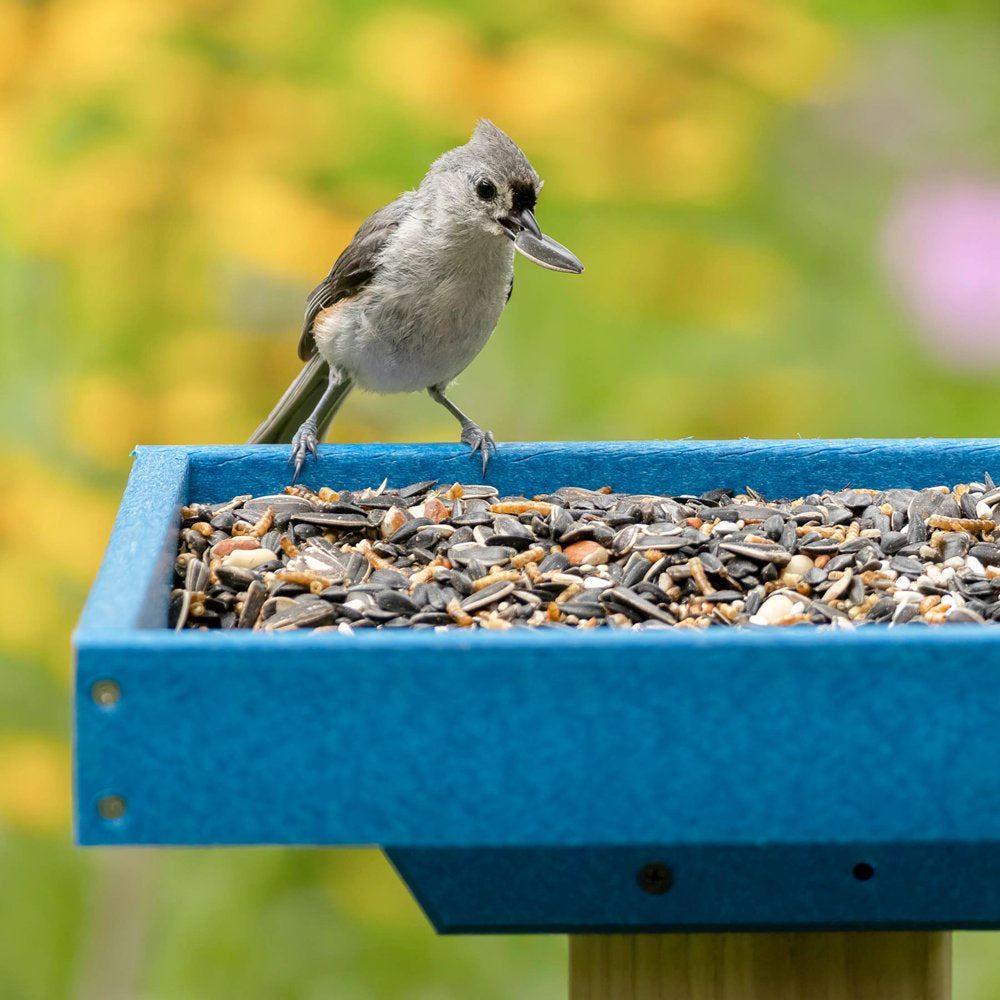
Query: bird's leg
x=472, y=434
x=305, y=439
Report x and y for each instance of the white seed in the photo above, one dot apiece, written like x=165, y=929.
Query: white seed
x=725, y=528
x=775, y=609
x=799, y=564
x=249, y=558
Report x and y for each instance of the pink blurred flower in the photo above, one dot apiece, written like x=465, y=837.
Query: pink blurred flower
x=942, y=249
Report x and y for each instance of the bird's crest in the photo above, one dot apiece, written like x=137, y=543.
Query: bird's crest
x=496, y=147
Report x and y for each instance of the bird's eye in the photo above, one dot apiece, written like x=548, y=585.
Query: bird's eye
x=486, y=190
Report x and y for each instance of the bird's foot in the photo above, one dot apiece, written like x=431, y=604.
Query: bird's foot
x=303, y=443
x=479, y=440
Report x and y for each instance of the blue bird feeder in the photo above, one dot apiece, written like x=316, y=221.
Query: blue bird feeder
x=561, y=781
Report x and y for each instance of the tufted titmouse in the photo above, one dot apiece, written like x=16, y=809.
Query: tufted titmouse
x=417, y=293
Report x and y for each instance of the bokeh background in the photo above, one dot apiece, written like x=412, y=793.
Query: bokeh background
x=790, y=217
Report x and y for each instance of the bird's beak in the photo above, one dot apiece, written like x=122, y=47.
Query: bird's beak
x=527, y=219
x=530, y=242
x=518, y=222
x=545, y=252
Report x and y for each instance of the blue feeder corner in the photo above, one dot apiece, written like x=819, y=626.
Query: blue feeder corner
x=557, y=780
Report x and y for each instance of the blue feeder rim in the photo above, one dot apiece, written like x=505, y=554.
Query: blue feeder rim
x=559, y=780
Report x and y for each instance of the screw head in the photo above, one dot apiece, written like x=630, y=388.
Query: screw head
x=656, y=878
x=111, y=807
x=105, y=693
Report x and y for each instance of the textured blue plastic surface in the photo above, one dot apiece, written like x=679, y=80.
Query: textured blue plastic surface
x=520, y=780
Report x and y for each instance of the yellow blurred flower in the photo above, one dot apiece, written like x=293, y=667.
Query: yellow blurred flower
x=212, y=386
x=92, y=200
x=265, y=222
x=106, y=416
x=273, y=125
x=35, y=789
x=76, y=519
x=54, y=530
x=772, y=45
x=83, y=43
x=37, y=618
x=628, y=121
x=189, y=411
x=699, y=155
x=261, y=29
x=16, y=21
x=427, y=60
x=566, y=78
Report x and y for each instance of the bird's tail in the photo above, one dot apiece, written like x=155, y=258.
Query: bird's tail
x=298, y=401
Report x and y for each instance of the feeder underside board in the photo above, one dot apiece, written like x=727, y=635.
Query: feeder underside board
x=708, y=887
x=522, y=778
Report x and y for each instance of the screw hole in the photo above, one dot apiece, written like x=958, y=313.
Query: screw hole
x=655, y=878
x=105, y=693
x=863, y=871
x=111, y=807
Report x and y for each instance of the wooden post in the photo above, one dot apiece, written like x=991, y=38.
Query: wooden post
x=794, y=966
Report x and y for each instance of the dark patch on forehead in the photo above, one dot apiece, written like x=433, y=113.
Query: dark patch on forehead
x=522, y=196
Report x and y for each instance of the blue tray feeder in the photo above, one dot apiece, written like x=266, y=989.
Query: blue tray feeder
x=557, y=780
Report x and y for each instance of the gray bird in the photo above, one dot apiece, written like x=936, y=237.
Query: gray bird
x=417, y=293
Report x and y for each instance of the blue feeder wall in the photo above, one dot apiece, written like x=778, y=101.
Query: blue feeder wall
x=559, y=780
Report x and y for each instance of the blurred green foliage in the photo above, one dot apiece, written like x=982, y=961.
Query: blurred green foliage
x=174, y=178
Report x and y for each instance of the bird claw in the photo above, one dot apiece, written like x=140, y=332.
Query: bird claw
x=303, y=443
x=479, y=440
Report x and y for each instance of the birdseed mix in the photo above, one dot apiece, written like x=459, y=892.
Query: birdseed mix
x=462, y=556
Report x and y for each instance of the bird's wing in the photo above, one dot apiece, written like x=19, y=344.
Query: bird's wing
x=355, y=267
